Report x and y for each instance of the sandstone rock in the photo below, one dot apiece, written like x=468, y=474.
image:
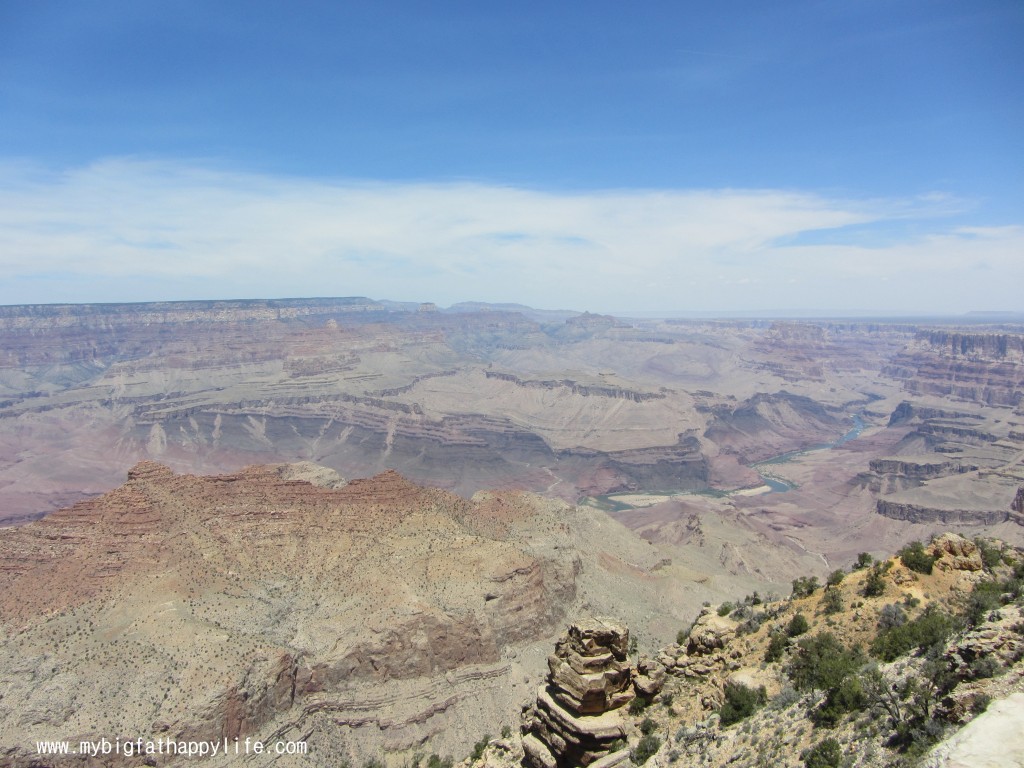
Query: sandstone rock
x=615, y=759
x=649, y=678
x=575, y=720
x=710, y=633
x=955, y=553
x=995, y=639
x=995, y=739
x=537, y=752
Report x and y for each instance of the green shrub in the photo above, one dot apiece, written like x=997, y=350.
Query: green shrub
x=836, y=577
x=645, y=749
x=741, y=702
x=931, y=628
x=864, y=560
x=991, y=556
x=638, y=705
x=777, y=644
x=832, y=602
x=480, y=746
x=726, y=608
x=874, y=584
x=804, y=586
x=988, y=596
x=916, y=559
x=821, y=663
x=648, y=726
x=985, y=666
x=797, y=626
x=824, y=754
x=847, y=697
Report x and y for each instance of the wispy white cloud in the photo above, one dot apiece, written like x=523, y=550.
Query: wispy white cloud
x=127, y=229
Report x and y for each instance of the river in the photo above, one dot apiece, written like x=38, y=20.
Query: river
x=617, y=502
x=777, y=484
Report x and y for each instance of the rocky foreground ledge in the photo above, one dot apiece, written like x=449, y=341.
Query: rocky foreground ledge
x=888, y=665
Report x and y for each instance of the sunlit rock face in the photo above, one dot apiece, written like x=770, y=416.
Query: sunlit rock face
x=241, y=604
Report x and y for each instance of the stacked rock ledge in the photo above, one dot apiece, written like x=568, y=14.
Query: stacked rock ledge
x=577, y=719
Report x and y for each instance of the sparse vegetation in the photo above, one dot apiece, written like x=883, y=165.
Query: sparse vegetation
x=638, y=705
x=874, y=584
x=864, y=560
x=914, y=557
x=805, y=586
x=777, y=644
x=741, y=702
x=821, y=663
x=932, y=628
x=480, y=746
x=991, y=555
x=825, y=754
x=645, y=749
x=832, y=602
x=797, y=626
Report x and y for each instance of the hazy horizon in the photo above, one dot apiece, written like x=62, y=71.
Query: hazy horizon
x=969, y=316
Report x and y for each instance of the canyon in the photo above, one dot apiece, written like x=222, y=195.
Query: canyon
x=364, y=523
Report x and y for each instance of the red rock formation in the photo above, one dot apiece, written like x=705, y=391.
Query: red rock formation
x=269, y=599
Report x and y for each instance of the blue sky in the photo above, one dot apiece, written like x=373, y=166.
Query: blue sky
x=669, y=157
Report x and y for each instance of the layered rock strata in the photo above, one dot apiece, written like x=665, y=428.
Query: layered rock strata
x=983, y=368
x=576, y=720
x=367, y=617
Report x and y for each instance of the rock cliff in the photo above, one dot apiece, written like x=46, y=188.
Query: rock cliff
x=575, y=721
x=367, y=616
x=983, y=368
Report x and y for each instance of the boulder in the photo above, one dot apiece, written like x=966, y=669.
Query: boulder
x=955, y=553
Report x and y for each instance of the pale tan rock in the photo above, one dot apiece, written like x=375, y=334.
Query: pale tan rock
x=994, y=739
x=955, y=553
x=576, y=719
x=537, y=752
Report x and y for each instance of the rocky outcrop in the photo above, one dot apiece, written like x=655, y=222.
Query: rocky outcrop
x=766, y=425
x=586, y=390
x=985, y=368
x=376, y=612
x=892, y=475
x=953, y=552
x=576, y=720
x=907, y=412
x=670, y=468
x=996, y=639
x=915, y=513
x=710, y=652
x=919, y=470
